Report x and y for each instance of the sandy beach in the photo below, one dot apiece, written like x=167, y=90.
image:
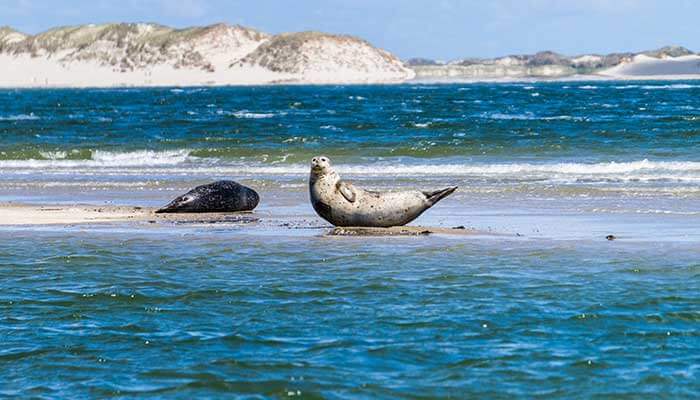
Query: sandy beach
x=26, y=215
x=56, y=214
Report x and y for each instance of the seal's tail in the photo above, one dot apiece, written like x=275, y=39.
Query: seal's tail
x=434, y=197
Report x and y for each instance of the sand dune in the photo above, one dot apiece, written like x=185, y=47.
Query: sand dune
x=648, y=67
x=154, y=55
x=127, y=54
x=670, y=62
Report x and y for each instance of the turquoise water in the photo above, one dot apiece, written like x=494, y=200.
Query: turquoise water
x=538, y=305
x=214, y=314
x=576, y=122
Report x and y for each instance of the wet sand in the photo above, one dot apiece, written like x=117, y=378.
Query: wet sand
x=18, y=214
x=29, y=214
x=400, y=231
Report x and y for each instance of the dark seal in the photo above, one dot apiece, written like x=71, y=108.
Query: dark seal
x=220, y=196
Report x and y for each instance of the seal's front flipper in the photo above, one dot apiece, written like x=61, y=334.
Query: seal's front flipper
x=434, y=197
x=347, y=191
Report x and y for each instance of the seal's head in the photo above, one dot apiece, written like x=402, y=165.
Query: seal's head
x=320, y=165
x=184, y=203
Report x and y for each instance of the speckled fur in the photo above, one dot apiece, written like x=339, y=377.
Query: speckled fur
x=220, y=196
x=376, y=209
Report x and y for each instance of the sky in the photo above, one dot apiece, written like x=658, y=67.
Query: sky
x=439, y=29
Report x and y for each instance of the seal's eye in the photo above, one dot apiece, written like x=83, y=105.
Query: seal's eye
x=323, y=159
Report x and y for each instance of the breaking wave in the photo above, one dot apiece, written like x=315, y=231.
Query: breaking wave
x=671, y=86
x=518, y=169
x=20, y=117
x=98, y=158
x=245, y=114
x=659, y=87
x=530, y=117
x=182, y=162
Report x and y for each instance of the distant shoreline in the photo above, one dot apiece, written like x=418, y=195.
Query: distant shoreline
x=639, y=67
x=425, y=81
x=151, y=55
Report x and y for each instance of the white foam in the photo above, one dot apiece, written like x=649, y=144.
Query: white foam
x=20, y=117
x=608, y=168
x=53, y=155
x=530, y=116
x=252, y=115
x=179, y=162
x=143, y=157
x=644, y=211
x=555, y=173
x=247, y=114
x=102, y=159
x=659, y=87
x=526, y=116
x=671, y=86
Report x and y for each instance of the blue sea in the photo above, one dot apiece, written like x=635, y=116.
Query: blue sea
x=536, y=304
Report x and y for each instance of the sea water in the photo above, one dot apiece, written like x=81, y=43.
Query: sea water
x=539, y=303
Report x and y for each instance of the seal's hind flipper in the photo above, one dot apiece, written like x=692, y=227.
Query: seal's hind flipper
x=434, y=197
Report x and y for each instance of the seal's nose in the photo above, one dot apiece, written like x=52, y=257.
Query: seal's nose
x=172, y=207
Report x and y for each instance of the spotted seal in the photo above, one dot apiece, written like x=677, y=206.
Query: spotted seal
x=343, y=204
